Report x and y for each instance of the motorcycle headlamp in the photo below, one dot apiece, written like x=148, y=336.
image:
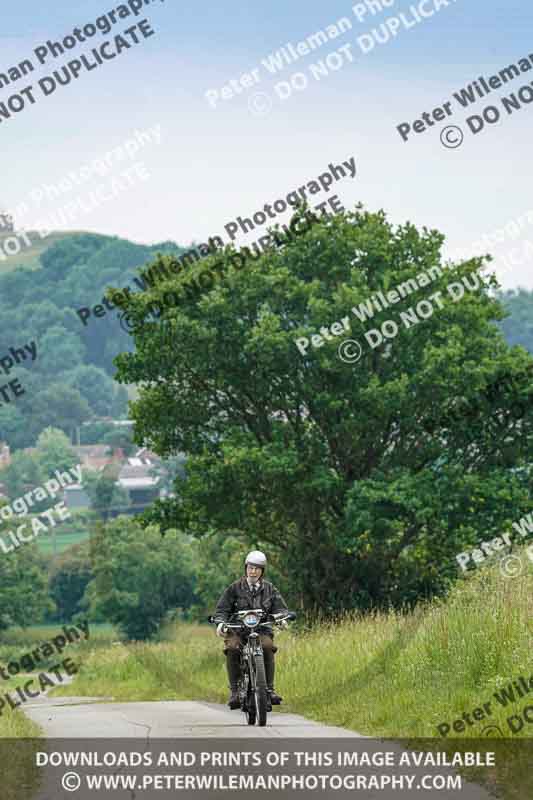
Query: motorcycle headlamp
x=251, y=620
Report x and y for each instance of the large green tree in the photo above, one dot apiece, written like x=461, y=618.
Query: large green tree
x=139, y=576
x=366, y=478
x=24, y=598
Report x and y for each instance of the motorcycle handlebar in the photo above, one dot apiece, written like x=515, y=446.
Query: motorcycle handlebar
x=289, y=616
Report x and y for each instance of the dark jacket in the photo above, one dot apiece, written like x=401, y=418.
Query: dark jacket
x=238, y=596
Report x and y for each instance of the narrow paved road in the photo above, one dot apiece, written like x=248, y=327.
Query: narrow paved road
x=89, y=719
x=82, y=717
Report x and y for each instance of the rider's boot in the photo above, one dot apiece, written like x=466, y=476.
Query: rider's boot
x=270, y=667
x=233, y=658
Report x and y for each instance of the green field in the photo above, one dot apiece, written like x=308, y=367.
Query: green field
x=29, y=256
x=62, y=541
x=65, y=534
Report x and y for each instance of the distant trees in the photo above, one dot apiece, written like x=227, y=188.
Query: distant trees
x=70, y=576
x=120, y=437
x=60, y=405
x=13, y=427
x=24, y=598
x=518, y=326
x=95, y=386
x=139, y=576
x=94, y=432
x=119, y=408
x=53, y=451
x=24, y=472
x=104, y=492
x=59, y=351
x=58, y=260
x=170, y=472
x=71, y=380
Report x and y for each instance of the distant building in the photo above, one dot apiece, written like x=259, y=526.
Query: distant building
x=136, y=478
x=75, y=497
x=97, y=456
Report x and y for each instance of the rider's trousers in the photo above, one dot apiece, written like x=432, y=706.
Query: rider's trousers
x=233, y=666
x=232, y=650
x=270, y=667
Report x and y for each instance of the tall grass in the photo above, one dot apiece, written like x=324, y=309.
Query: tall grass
x=384, y=674
x=390, y=675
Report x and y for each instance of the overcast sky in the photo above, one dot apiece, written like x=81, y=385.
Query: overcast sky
x=214, y=164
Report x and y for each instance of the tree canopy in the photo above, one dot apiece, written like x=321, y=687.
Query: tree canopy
x=139, y=576
x=351, y=475
x=24, y=598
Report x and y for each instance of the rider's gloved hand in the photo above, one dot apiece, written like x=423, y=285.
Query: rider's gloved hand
x=221, y=629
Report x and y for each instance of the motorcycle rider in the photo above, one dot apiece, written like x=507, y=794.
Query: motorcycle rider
x=250, y=591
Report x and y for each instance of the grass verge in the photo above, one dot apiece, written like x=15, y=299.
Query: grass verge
x=385, y=674
x=389, y=675
x=20, y=775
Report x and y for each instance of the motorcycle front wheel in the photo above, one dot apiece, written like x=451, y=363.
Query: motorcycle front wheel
x=249, y=709
x=261, y=698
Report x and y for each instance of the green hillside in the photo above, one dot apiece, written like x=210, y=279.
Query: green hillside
x=70, y=380
x=30, y=256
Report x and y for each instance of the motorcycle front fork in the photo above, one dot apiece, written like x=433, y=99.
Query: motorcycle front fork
x=248, y=672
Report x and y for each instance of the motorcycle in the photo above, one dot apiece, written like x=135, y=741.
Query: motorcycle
x=253, y=694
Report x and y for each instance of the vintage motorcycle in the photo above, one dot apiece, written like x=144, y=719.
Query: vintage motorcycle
x=255, y=700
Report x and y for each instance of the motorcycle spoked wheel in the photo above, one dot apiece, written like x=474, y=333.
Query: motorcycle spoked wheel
x=249, y=707
x=261, y=697
x=251, y=711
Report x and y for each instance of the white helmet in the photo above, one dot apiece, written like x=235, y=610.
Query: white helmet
x=257, y=558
